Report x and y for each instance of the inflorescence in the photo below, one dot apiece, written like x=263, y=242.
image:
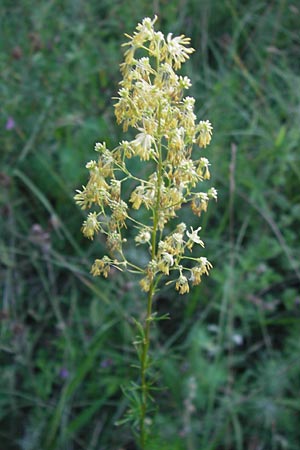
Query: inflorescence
x=151, y=100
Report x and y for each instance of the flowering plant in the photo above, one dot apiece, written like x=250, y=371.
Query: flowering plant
x=151, y=100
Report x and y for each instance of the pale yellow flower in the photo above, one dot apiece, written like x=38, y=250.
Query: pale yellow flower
x=143, y=143
x=177, y=49
x=152, y=269
x=145, y=284
x=182, y=285
x=143, y=237
x=81, y=198
x=194, y=238
x=185, y=82
x=114, y=241
x=115, y=189
x=137, y=196
x=146, y=27
x=101, y=267
x=91, y=165
x=196, y=273
x=165, y=263
x=205, y=132
x=212, y=193
x=91, y=225
x=204, y=265
x=119, y=211
x=127, y=148
x=199, y=203
x=100, y=147
x=203, y=169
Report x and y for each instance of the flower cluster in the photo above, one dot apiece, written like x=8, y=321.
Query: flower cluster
x=152, y=100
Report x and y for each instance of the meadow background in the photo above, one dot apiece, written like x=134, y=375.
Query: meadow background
x=230, y=355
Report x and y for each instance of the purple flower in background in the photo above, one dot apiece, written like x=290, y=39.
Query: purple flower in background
x=106, y=363
x=10, y=124
x=64, y=373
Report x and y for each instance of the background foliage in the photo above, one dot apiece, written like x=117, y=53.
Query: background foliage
x=230, y=354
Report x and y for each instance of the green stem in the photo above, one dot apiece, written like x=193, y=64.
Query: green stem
x=146, y=340
x=144, y=366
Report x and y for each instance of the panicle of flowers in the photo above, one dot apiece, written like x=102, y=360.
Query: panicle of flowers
x=168, y=140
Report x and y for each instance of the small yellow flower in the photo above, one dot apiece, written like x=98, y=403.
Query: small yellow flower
x=212, y=193
x=164, y=246
x=119, y=213
x=202, y=268
x=143, y=145
x=127, y=148
x=81, y=198
x=91, y=165
x=194, y=238
x=101, y=267
x=203, y=169
x=114, y=241
x=91, y=225
x=204, y=265
x=165, y=263
x=199, y=203
x=177, y=50
x=196, y=273
x=182, y=285
x=181, y=227
x=146, y=27
x=175, y=242
x=145, y=284
x=100, y=147
x=115, y=189
x=143, y=237
x=205, y=132
x=152, y=269
x=137, y=196
x=185, y=82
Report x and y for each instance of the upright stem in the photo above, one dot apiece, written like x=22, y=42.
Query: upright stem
x=144, y=366
x=146, y=340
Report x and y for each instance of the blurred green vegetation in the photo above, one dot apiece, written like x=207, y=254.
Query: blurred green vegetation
x=230, y=355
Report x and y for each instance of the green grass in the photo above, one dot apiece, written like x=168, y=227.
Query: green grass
x=66, y=339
